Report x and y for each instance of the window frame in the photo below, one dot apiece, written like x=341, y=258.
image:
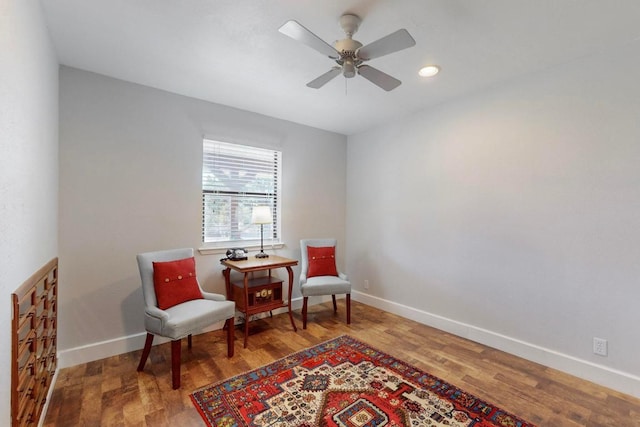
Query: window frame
x=212, y=189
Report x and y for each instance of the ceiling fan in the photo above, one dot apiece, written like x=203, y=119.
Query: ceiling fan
x=350, y=54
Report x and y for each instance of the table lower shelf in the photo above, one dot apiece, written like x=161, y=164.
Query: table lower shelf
x=263, y=308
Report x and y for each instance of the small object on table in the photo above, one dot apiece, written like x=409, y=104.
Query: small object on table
x=261, y=215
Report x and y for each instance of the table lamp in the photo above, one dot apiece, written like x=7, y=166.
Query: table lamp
x=261, y=215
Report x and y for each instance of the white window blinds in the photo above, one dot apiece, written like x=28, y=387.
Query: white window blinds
x=235, y=178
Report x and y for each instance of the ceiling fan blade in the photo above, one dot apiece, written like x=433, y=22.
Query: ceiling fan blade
x=378, y=78
x=325, y=78
x=297, y=32
x=394, y=42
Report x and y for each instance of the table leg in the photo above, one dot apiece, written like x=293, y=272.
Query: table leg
x=246, y=313
x=290, y=271
x=227, y=282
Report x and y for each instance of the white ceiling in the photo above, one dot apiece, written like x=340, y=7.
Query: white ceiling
x=230, y=51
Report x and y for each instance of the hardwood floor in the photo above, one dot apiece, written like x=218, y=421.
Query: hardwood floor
x=110, y=391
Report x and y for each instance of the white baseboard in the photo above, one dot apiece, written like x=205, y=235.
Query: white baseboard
x=617, y=380
x=100, y=350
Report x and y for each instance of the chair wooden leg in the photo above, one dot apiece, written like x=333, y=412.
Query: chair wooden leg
x=230, y=332
x=304, y=312
x=175, y=363
x=145, y=351
x=348, y=309
x=335, y=306
x=189, y=341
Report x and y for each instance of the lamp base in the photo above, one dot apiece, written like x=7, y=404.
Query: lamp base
x=261, y=255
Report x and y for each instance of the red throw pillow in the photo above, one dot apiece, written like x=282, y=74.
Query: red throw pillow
x=322, y=261
x=175, y=282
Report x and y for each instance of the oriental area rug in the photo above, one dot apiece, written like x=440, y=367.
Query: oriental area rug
x=346, y=383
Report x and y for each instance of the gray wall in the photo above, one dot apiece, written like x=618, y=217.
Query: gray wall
x=130, y=181
x=512, y=216
x=28, y=161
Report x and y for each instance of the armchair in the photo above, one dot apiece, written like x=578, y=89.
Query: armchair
x=183, y=319
x=319, y=285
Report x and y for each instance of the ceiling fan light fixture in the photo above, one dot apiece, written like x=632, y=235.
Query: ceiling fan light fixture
x=348, y=68
x=429, y=71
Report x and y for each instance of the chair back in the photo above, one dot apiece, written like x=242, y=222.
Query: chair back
x=145, y=265
x=315, y=243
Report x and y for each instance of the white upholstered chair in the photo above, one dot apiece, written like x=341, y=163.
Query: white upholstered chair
x=321, y=285
x=182, y=319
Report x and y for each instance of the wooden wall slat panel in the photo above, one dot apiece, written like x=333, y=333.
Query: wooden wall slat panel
x=33, y=343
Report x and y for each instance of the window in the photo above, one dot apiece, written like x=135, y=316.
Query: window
x=235, y=178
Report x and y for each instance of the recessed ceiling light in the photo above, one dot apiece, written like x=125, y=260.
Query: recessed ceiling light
x=429, y=71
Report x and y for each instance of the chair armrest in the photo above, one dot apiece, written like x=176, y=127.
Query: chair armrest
x=343, y=276
x=156, y=312
x=303, y=279
x=213, y=297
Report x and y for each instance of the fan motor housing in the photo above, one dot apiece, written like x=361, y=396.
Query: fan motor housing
x=347, y=46
x=348, y=58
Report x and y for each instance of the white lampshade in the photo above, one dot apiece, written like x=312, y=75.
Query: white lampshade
x=261, y=215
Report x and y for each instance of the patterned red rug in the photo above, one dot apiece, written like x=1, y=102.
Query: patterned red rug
x=347, y=383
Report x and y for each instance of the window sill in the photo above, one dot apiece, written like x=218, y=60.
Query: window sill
x=215, y=250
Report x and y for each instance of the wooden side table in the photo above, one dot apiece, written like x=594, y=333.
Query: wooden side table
x=260, y=294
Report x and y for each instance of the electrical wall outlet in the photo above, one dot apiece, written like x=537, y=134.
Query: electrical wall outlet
x=600, y=346
x=366, y=284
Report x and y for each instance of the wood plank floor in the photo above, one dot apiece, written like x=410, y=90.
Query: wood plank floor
x=110, y=392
